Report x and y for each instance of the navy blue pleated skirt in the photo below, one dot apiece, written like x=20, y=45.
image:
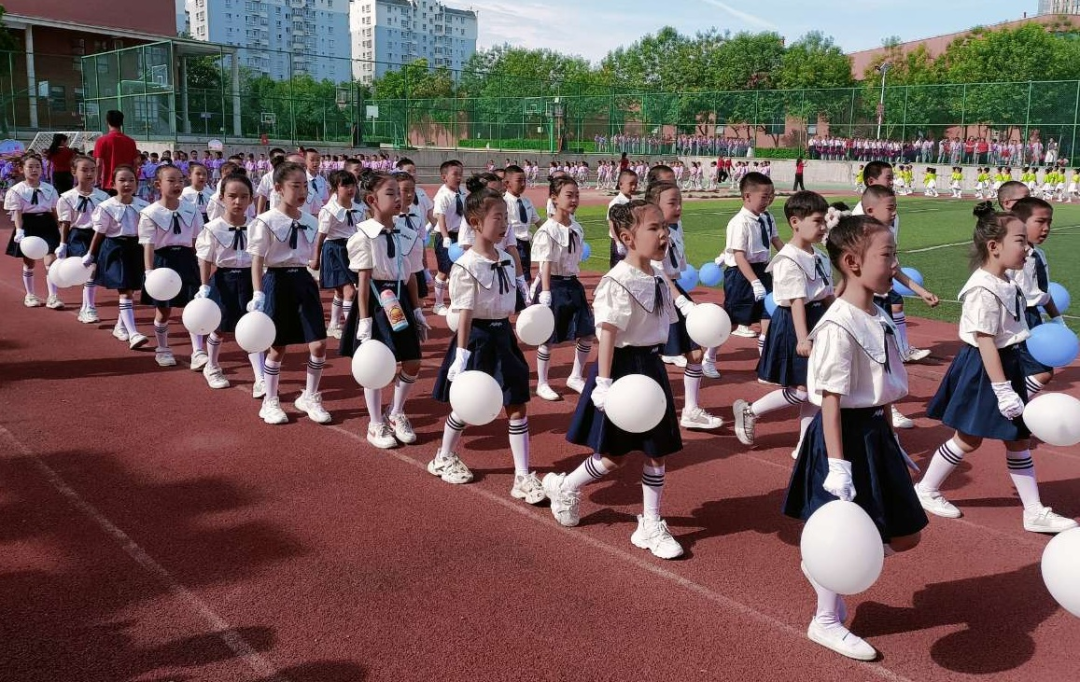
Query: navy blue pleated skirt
x=442, y=256
x=965, y=399
x=739, y=295
x=573, y=315
x=592, y=428
x=883, y=486
x=231, y=289
x=678, y=340
x=1033, y=317
x=42, y=225
x=421, y=283
x=292, y=302
x=79, y=239
x=494, y=351
x=525, y=254
x=120, y=264
x=405, y=344
x=334, y=269
x=779, y=363
x=182, y=259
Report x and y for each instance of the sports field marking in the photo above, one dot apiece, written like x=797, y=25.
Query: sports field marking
x=968, y=242
x=237, y=644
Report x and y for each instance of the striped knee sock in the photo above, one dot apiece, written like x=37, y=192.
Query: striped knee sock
x=900, y=320
x=401, y=391
x=89, y=295
x=28, y=281
x=944, y=462
x=451, y=435
x=519, y=445
x=1022, y=473
x=335, y=312
x=127, y=315
x=314, y=374
x=49, y=286
x=778, y=400
x=760, y=344
x=652, y=487
x=346, y=308
x=592, y=469
x=691, y=385
x=257, y=360
x=581, y=356
x=213, y=349
x=1033, y=386
x=161, y=332
x=197, y=343
x=440, y=291
x=271, y=374
x=543, y=358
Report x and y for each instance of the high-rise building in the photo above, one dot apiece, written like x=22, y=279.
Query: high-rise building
x=1059, y=6
x=388, y=33
x=279, y=38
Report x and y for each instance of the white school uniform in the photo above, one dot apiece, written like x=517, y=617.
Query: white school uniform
x=518, y=229
x=318, y=193
x=216, y=209
x=158, y=225
x=551, y=244
x=674, y=261
x=798, y=274
x=67, y=207
x=268, y=236
x=1028, y=281
x=201, y=199
x=425, y=205
x=215, y=245
x=446, y=205
x=338, y=222
x=21, y=198
x=850, y=355
x=115, y=219
x=475, y=285
x=744, y=234
x=368, y=251
x=626, y=298
x=992, y=306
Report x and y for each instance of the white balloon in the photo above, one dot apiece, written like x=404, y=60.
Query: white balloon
x=841, y=548
x=708, y=325
x=163, y=284
x=71, y=272
x=202, y=316
x=34, y=248
x=476, y=397
x=54, y=273
x=1061, y=570
x=635, y=403
x=374, y=365
x=452, y=317
x=535, y=325
x=255, y=332
x=1054, y=418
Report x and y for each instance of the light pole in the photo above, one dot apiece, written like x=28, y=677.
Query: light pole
x=883, y=69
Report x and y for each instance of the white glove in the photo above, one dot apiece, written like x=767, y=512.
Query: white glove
x=203, y=291
x=838, y=483
x=422, y=327
x=904, y=454
x=599, y=393
x=88, y=260
x=1009, y=404
x=523, y=287
x=458, y=366
x=545, y=298
x=257, y=302
x=620, y=248
x=20, y=234
x=363, y=329
x=61, y=250
x=759, y=290
x=719, y=260
x=1053, y=320
x=447, y=242
x=685, y=305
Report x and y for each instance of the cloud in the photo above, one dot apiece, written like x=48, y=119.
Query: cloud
x=742, y=16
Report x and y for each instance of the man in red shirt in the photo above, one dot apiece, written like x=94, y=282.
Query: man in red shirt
x=113, y=149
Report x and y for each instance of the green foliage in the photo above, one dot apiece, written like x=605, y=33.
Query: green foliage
x=778, y=152
x=584, y=147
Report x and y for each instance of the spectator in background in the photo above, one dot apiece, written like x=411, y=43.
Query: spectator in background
x=113, y=149
x=59, y=156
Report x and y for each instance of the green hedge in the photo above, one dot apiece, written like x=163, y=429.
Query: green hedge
x=530, y=145
x=778, y=153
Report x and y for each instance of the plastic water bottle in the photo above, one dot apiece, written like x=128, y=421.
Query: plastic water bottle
x=394, y=312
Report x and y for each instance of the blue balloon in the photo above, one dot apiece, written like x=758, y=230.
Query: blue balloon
x=1060, y=297
x=689, y=278
x=710, y=274
x=586, y=252
x=914, y=275
x=455, y=251
x=1053, y=345
x=770, y=303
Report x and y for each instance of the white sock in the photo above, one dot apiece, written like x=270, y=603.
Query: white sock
x=710, y=355
x=581, y=356
x=49, y=286
x=440, y=291
x=807, y=412
x=691, y=386
x=197, y=343
x=257, y=360
x=543, y=359
x=900, y=320
x=760, y=344
x=346, y=308
x=127, y=315
x=592, y=469
x=944, y=462
x=271, y=374
x=778, y=400
x=89, y=295
x=519, y=445
x=28, y=281
x=213, y=349
x=373, y=400
x=451, y=435
x=401, y=391
x=314, y=374
x=161, y=332
x=827, y=601
x=1022, y=473
x=652, y=487
x=1033, y=387
x=335, y=312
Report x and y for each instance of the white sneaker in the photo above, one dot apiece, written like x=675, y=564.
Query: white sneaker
x=120, y=333
x=258, y=389
x=745, y=332
x=709, y=369
x=528, y=488
x=698, y=418
x=333, y=332
x=677, y=360
x=440, y=310
x=450, y=469
x=402, y=427
x=381, y=436
x=546, y=392
x=915, y=354
x=198, y=360
x=136, y=341
x=88, y=316
x=311, y=405
x=839, y=639
x=165, y=357
x=655, y=537
x=745, y=422
x=899, y=421
x=936, y=504
x=576, y=384
x=564, y=503
x=271, y=411
x=54, y=303
x=1044, y=520
x=215, y=377
x=31, y=301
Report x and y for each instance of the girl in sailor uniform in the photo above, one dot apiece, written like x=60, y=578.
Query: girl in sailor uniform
x=414, y=215
x=337, y=223
x=667, y=197
x=167, y=231
x=634, y=309
x=984, y=392
x=225, y=273
x=32, y=205
x=386, y=255
x=282, y=241
x=477, y=182
x=803, y=290
x=199, y=192
x=557, y=246
x=850, y=450
x=482, y=291
x=75, y=209
x=215, y=208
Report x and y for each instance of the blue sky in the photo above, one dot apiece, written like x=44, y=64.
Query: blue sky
x=591, y=28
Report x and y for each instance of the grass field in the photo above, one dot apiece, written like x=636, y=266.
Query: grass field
x=935, y=236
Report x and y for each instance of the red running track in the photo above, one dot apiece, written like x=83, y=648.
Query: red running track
x=154, y=530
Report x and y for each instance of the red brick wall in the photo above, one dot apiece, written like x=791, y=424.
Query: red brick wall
x=150, y=16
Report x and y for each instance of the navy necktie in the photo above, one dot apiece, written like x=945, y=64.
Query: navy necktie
x=314, y=186
x=84, y=203
x=764, y=231
x=408, y=220
x=459, y=205
x=294, y=233
x=1018, y=301
x=349, y=218
x=820, y=270
x=573, y=241
x=671, y=248
x=238, y=241
x=500, y=272
x=391, y=247
x=658, y=304
x=888, y=332
x=34, y=196
x=523, y=215
x=176, y=229
x=1041, y=277
x=200, y=199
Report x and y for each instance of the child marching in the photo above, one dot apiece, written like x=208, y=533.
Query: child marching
x=32, y=205
x=75, y=209
x=337, y=223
